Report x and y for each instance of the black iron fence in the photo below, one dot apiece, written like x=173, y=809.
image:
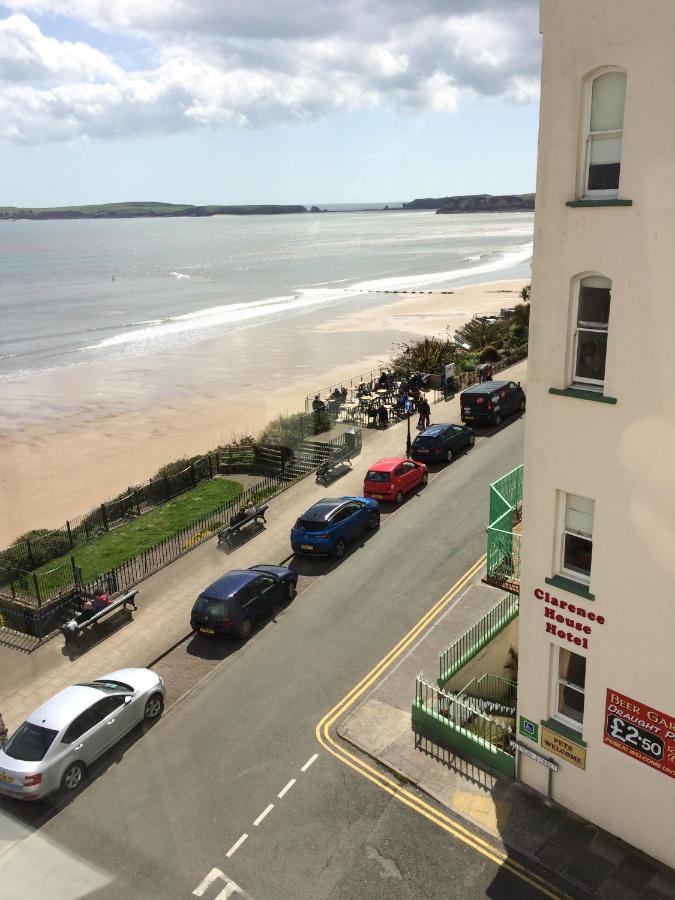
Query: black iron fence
x=31, y=554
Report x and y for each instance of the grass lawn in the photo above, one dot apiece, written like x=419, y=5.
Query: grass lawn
x=112, y=549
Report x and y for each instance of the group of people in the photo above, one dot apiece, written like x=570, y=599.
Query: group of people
x=243, y=513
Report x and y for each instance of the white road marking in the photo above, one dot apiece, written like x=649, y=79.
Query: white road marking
x=309, y=762
x=262, y=815
x=233, y=849
x=286, y=789
x=231, y=887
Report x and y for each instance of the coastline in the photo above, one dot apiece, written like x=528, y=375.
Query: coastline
x=61, y=468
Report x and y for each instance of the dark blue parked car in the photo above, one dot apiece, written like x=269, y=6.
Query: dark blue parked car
x=230, y=604
x=328, y=526
x=440, y=443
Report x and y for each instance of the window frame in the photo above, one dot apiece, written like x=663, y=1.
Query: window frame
x=559, y=681
x=564, y=572
x=584, y=192
x=590, y=384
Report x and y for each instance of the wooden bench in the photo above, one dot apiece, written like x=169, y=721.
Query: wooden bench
x=253, y=518
x=72, y=632
x=337, y=459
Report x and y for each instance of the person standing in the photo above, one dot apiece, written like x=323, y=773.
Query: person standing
x=424, y=410
x=3, y=732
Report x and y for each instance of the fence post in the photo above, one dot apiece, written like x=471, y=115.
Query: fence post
x=104, y=514
x=210, y=465
x=37, y=590
x=30, y=554
x=70, y=536
x=192, y=471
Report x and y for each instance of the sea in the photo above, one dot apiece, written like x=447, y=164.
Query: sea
x=148, y=295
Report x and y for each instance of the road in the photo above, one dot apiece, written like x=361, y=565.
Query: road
x=171, y=805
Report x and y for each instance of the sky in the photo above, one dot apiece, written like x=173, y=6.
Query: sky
x=238, y=101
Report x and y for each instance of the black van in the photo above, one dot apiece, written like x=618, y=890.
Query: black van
x=488, y=403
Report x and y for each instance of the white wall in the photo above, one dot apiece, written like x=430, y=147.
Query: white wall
x=623, y=455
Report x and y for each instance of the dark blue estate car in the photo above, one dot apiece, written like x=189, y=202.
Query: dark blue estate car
x=328, y=526
x=440, y=443
x=230, y=604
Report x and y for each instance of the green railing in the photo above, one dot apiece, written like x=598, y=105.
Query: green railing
x=503, y=544
x=451, y=721
x=475, y=638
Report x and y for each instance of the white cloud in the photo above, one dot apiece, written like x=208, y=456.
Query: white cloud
x=250, y=65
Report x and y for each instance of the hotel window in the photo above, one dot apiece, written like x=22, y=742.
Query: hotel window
x=604, y=135
x=569, y=688
x=590, y=333
x=577, y=538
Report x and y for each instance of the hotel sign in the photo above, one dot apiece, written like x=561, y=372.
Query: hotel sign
x=568, y=621
x=640, y=731
x=563, y=747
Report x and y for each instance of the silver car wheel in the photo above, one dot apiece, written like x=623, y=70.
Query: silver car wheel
x=154, y=707
x=72, y=777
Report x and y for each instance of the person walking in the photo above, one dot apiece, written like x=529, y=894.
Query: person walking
x=424, y=410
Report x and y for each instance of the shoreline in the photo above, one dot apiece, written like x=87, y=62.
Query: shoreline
x=60, y=469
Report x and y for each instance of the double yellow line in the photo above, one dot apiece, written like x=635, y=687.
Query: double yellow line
x=396, y=790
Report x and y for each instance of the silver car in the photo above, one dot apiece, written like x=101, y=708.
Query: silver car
x=52, y=749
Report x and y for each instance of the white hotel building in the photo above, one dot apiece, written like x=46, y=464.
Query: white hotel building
x=596, y=681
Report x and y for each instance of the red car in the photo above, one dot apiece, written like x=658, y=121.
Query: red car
x=391, y=478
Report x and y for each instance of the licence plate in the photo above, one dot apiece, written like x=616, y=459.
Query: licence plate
x=421, y=450
x=208, y=630
x=378, y=496
x=467, y=416
x=306, y=547
x=7, y=778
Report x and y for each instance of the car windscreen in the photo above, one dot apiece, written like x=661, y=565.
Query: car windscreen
x=309, y=525
x=213, y=607
x=378, y=476
x=109, y=686
x=30, y=742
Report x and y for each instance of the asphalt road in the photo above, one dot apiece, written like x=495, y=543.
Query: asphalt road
x=168, y=807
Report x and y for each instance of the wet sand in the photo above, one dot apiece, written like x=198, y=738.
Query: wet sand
x=107, y=428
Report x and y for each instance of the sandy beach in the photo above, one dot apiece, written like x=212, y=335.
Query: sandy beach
x=137, y=415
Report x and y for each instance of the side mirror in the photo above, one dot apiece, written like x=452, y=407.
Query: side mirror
x=127, y=700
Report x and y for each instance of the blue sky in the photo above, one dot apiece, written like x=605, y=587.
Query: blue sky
x=283, y=103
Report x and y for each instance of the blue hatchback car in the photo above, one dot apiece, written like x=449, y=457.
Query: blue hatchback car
x=230, y=604
x=328, y=526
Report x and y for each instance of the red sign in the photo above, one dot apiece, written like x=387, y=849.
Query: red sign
x=640, y=731
x=568, y=621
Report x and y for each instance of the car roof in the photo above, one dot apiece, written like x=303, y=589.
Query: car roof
x=229, y=584
x=435, y=430
x=325, y=508
x=387, y=464
x=62, y=708
x=486, y=387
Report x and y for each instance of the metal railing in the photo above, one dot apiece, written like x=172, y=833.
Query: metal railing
x=503, y=544
x=493, y=689
x=475, y=638
x=462, y=718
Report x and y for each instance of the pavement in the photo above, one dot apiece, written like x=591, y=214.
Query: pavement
x=522, y=823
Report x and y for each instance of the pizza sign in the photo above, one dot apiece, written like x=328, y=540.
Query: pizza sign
x=640, y=731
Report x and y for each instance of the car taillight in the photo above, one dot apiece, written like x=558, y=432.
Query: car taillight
x=489, y=405
x=479, y=400
x=226, y=621
x=31, y=780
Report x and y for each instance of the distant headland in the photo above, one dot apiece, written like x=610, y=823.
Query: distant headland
x=151, y=209
x=476, y=203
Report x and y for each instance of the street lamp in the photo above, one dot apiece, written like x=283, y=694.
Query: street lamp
x=408, y=406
